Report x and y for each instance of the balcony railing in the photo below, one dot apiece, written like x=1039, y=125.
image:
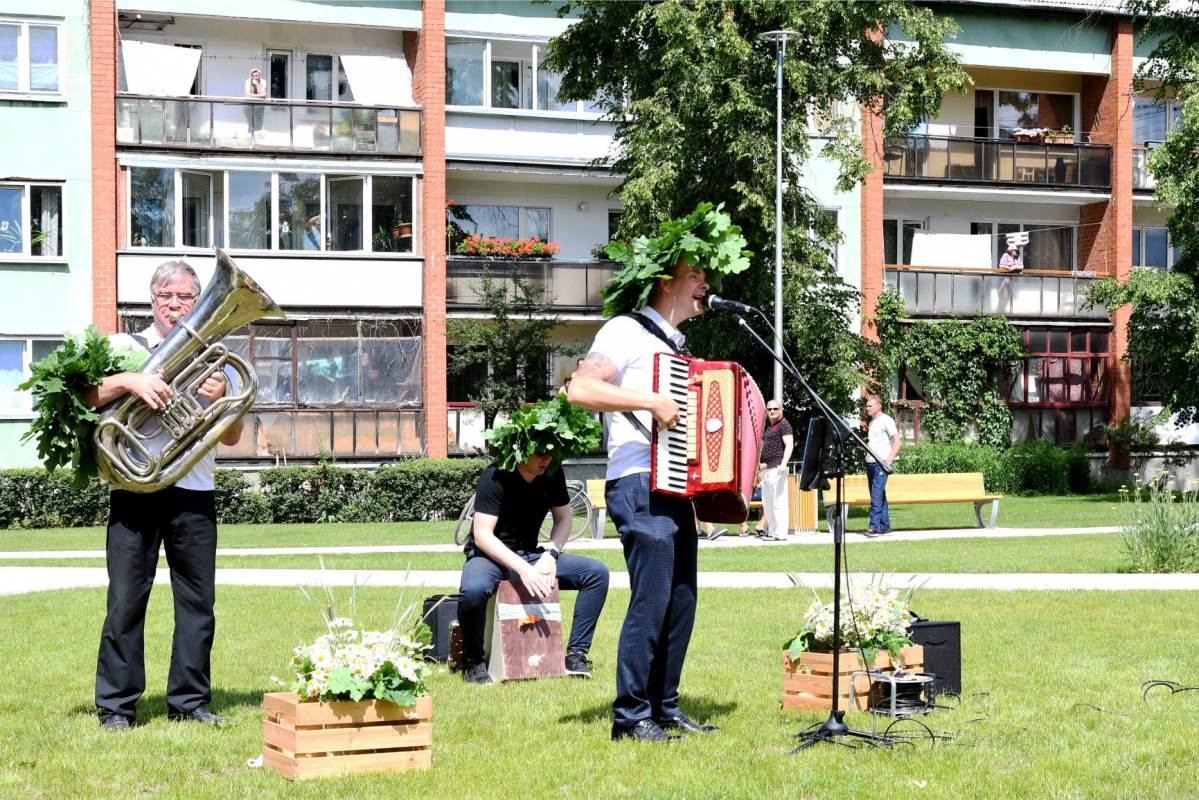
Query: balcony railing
x=969, y=292
x=567, y=284
x=949, y=159
x=198, y=123
x=1142, y=178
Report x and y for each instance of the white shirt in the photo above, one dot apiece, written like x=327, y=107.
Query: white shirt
x=631, y=348
x=878, y=436
x=198, y=478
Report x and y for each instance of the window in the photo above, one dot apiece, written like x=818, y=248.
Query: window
x=505, y=84
x=279, y=74
x=1153, y=120
x=613, y=223
x=500, y=222
x=1151, y=247
x=319, y=77
x=1050, y=247
x=895, y=232
x=16, y=355
x=30, y=55
x=31, y=220
x=264, y=210
x=464, y=72
x=829, y=246
x=1031, y=110
x=505, y=74
x=1060, y=392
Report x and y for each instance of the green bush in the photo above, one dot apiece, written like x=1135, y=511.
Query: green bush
x=237, y=500
x=35, y=498
x=1078, y=467
x=314, y=494
x=998, y=473
x=423, y=489
x=1033, y=468
x=1041, y=468
x=1161, y=527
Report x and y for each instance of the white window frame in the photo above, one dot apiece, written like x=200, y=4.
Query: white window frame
x=26, y=364
x=1075, y=124
x=337, y=70
x=1169, y=106
x=522, y=227
x=1023, y=224
x=26, y=254
x=291, y=71
x=23, y=91
x=1171, y=255
x=833, y=249
x=534, y=60
x=898, y=222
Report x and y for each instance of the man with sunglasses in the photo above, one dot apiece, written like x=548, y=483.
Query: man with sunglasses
x=182, y=519
x=777, y=444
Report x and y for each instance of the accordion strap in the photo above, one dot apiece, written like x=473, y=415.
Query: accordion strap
x=650, y=326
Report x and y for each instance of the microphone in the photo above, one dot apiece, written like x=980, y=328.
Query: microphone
x=718, y=303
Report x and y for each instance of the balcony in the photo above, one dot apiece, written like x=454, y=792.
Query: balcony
x=1142, y=178
x=964, y=293
x=267, y=126
x=997, y=162
x=570, y=285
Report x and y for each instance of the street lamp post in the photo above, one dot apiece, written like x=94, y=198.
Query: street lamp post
x=780, y=47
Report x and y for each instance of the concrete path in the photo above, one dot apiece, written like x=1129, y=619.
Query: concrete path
x=20, y=580
x=727, y=541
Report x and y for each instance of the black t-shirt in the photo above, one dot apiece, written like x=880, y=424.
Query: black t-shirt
x=773, y=445
x=520, y=505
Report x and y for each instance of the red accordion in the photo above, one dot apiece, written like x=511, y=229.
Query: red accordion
x=711, y=456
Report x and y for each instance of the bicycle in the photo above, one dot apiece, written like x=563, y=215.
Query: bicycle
x=581, y=510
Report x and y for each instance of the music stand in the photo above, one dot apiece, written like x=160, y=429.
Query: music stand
x=824, y=457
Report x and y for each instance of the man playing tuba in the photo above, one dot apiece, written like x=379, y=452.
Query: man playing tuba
x=182, y=518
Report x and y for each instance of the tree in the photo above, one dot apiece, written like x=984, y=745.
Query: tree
x=1163, y=326
x=514, y=342
x=691, y=91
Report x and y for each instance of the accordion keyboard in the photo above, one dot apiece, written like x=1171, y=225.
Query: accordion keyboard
x=677, y=444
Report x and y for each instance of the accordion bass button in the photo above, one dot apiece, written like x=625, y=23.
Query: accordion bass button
x=713, y=425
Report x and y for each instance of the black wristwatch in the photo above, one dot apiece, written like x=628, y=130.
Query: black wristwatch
x=554, y=553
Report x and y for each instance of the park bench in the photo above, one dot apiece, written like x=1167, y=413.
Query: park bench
x=950, y=487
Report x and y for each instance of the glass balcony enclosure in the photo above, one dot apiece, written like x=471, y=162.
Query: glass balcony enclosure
x=943, y=292
x=951, y=159
x=1142, y=178
x=568, y=284
x=198, y=123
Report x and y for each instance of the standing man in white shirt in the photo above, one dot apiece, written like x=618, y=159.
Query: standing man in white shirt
x=883, y=437
x=665, y=280
x=777, y=444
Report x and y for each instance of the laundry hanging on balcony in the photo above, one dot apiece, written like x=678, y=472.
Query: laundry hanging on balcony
x=162, y=70
x=962, y=250
x=379, y=80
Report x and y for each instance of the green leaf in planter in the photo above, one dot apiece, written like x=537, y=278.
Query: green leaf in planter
x=342, y=682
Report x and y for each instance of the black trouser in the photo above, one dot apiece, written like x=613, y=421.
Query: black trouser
x=481, y=576
x=184, y=522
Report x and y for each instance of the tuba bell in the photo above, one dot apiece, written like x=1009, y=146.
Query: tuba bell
x=141, y=449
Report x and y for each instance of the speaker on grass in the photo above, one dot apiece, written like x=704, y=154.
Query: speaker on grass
x=438, y=613
x=942, y=643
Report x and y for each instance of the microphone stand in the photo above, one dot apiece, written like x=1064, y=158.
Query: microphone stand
x=833, y=729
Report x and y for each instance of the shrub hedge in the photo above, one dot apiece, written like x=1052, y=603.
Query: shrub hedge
x=416, y=489
x=1026, y=469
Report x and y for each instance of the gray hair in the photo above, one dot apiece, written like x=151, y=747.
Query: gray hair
x=876, y=399
x=168, y=271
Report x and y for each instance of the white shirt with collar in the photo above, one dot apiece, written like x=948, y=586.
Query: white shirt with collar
x=630, y=347
x=200, y=477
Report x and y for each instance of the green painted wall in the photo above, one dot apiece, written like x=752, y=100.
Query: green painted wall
x=49, y=141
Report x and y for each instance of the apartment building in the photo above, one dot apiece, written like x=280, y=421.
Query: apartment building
x=45, y=199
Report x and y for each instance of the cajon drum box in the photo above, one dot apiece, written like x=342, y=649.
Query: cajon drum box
x=524, y=635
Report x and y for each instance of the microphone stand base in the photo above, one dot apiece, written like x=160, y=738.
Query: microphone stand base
x=834, y=730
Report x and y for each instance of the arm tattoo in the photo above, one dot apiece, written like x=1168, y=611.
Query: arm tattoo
x=597, y=365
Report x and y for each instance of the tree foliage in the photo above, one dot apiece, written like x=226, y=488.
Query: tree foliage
x=514, y=341
x=691, y=91
x=1162, y=328
x=956, y=363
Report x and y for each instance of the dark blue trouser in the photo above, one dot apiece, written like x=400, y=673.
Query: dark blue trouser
x=481, y=576
x=660, y=545
x=184, y=523
x=880, y=518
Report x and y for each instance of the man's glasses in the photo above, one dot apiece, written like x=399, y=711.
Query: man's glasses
x=773, y=410
x=165, y=297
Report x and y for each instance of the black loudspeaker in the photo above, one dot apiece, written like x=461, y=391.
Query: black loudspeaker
x=439, y=612
x=942, y=643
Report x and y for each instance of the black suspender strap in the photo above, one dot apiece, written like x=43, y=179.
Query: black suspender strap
x=650, y=326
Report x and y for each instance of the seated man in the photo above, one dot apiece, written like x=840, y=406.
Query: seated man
x=512, y=498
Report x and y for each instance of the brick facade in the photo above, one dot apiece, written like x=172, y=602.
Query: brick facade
x=104, y=71
x=872, y=221
x=428, y=80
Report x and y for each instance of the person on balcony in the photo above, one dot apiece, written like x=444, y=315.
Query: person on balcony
x=1011, y=261
x=255, y=90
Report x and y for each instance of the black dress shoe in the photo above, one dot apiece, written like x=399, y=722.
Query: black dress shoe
x=645, y=731
x=684, y=723
x=117, y=723
x=200, y=714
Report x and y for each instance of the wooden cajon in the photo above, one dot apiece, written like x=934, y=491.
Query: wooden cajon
x=524, y=635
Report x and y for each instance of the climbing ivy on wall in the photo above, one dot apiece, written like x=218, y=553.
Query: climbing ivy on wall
x=956, y=362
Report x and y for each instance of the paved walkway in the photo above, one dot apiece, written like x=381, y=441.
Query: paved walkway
x=731, y=540
x=21, y=580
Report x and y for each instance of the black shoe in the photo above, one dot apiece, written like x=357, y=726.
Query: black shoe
x=644, y=731
x=577, y=664
x=115, y=722
x=477, y=674
x=200, y=714
x=684, y=723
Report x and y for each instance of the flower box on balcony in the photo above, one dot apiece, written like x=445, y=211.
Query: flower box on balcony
x=510, y=249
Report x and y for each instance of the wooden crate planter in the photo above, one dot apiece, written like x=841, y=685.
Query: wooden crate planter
x=316, y=740
x=808, y=685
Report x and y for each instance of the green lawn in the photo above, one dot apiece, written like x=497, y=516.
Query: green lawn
x=1032, y=661
x=1096, y=553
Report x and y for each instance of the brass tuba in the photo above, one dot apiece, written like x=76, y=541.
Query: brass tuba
x=144, y=450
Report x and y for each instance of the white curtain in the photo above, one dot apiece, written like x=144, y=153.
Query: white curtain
x=48, y=221
x=161, y=70
x=379, y=80
x=951, y=250
x=10, y=35
x=43, y=58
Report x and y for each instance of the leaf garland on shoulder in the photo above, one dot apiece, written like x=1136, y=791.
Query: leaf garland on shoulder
x=64, y=425
x=706, y=237
x=551, y=426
